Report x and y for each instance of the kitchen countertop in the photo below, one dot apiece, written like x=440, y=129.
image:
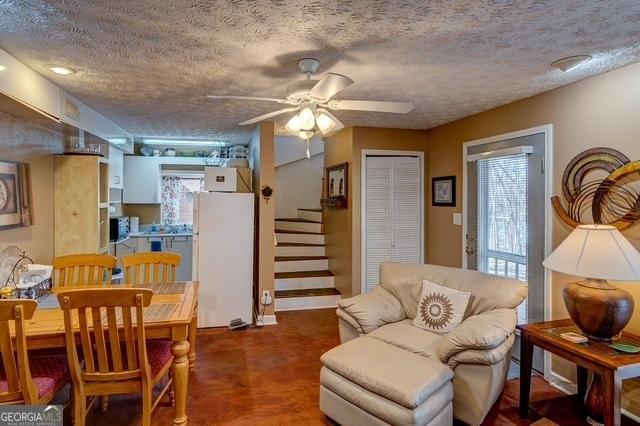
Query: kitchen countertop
x=159, y=234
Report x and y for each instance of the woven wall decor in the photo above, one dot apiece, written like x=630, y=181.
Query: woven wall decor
x=614, y=200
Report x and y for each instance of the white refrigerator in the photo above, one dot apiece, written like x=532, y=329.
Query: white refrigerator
x=223, y=256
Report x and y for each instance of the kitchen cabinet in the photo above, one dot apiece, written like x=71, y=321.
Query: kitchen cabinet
x=81, y=211
x=142, y=177
x=116, y=168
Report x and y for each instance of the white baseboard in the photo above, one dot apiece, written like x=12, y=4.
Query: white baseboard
x=565, y=385
x=267, y=320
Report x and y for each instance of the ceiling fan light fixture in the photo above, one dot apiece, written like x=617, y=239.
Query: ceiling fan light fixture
x=307, y=119
x=571, y=63
x=325, y=123
x=305, y=134
x=293, y=125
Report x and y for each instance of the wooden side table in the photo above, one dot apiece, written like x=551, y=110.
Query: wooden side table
x=597, y=357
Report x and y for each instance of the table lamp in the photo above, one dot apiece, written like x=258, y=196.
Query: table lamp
x=598, y=253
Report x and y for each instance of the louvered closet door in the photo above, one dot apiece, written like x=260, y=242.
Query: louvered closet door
x=378, y=229
x=405, y=209
x=392, y=214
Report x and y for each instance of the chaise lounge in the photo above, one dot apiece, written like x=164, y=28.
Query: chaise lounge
x=389, y=371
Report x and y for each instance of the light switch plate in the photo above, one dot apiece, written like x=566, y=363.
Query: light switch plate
x=457, y=219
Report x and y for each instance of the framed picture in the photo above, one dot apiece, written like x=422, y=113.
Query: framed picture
x=443, y=191
x=337, y=186
x=15, y=195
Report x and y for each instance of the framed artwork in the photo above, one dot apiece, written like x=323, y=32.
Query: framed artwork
x=15, y=195
x=443, y=191
x=337, y=186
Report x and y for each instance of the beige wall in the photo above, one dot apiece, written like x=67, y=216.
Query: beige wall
x=343, y=227
x=298, y=185
x=262, y=154
x=599, y=111
x=22, y=141
x=337, y=222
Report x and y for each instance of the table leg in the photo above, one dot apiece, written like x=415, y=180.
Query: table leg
x=583, y=376
x=193, y=327
x=612, y=385
x=526, y=360
x=180, y=374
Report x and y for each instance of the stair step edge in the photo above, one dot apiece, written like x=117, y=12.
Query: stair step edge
x=312, y=292
x=298, y=258
x=286, y=231
x=297, y=220
x=303, y=274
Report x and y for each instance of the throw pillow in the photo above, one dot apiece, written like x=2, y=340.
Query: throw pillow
x=440, y=309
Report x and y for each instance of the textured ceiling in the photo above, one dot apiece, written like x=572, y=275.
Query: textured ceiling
x=148, y=64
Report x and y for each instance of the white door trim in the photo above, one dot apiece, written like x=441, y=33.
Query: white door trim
x=547, y=130
x=363, y=192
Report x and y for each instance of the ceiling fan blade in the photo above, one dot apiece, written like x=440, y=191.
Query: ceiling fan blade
x=248, y=98
x=329, y=85
x=338, y=126
x=375, y=106
x=267, y=115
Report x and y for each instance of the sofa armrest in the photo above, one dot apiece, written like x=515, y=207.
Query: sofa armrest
x=480, y=339
x=366, y=312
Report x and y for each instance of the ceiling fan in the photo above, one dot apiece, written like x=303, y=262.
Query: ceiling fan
x=312, y=99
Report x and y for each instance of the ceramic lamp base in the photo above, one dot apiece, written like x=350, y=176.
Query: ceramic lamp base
x=600, y=310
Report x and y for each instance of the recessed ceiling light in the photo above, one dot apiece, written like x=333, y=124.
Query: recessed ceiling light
x=192, y=142
x=571, y=63
x=59, y=69
x=2, y=68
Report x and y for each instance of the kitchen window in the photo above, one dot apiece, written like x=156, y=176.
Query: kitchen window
x=177, y=191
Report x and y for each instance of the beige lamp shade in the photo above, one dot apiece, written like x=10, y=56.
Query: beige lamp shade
x=596, y=251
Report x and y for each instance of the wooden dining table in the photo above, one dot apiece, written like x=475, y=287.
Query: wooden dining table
x=170, y=316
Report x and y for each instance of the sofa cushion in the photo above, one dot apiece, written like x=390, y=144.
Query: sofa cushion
x=406, y=336
x=440, y=308
x=403, y=377
x=489, y=292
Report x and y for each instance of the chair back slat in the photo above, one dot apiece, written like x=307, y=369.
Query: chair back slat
x=20, y=386
x=150, y=267
x=110, y=310
x=114, y=339
x=130, y=339
x=85, y=339
x=82, y=270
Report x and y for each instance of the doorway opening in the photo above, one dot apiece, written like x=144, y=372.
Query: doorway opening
x=507, y=182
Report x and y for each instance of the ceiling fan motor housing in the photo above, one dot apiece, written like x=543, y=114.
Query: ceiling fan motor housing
x=299, y=90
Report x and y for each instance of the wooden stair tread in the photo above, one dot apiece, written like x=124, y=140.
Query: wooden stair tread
x=299, y=245
x=312, y=210
x=311, y=292
x=297, y=220
x=303, y=274
x=298, y=258
x=286, y=231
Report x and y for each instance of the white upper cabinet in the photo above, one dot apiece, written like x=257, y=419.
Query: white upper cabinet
x=116, y=168
x=142, y=178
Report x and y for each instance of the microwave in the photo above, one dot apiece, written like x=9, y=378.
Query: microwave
x=118, y=228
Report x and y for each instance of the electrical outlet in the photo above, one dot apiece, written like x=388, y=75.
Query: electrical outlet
x=266, y=298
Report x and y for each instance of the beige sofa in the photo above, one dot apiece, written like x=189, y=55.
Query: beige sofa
x=387, y=371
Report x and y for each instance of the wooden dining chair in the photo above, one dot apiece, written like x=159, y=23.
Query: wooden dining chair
x=83, y=270
x=157, y=267
x=102, y=317
x=24, y=379
x=150, y=267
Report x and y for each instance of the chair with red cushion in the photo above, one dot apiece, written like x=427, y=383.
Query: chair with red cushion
x=25, y=379
x=117, y=357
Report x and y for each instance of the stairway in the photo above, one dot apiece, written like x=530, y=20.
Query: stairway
x=303, y=279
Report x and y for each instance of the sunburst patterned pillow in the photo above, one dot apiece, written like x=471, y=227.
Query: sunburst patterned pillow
x=440, y=309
